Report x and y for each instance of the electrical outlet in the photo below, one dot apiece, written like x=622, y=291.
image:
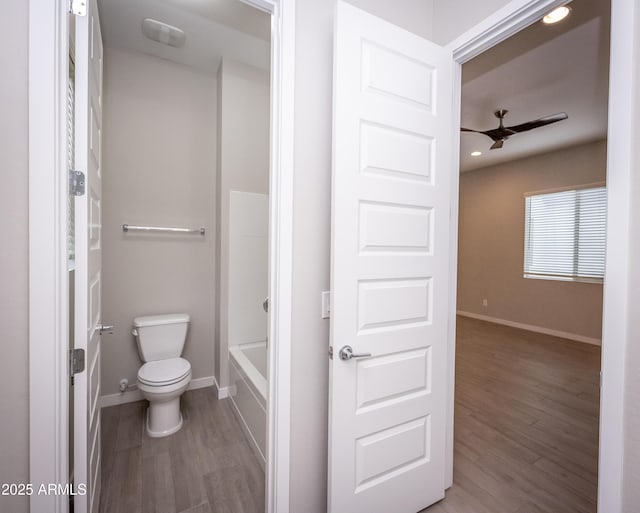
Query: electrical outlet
x=485, y=302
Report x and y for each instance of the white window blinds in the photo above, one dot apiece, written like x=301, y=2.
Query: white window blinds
x=565, y=234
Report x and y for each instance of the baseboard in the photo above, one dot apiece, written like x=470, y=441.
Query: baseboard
x=205, y=382
x=131, y=396
x=223, y=392
x=530, y=327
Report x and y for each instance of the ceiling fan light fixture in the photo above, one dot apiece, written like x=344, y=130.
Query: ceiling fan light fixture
x=502, y=133
x=476, y=153
x=558, y=14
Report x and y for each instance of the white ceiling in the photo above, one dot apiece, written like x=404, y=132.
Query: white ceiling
x=213, y=28
x=540, y=71
x=232, y=13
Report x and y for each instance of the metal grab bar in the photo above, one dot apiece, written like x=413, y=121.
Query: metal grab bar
x=128, y=227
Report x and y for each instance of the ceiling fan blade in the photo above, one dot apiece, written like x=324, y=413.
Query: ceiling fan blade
x=497, y=144
x=497, y=135
x=530, y=125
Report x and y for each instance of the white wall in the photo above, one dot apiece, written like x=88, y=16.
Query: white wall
x=311, y=231
x=243, y=165
x=14, y=253
x=413, y=15
x=159, y=162
x=248, y=266
x=311, y=235
x=453, y=18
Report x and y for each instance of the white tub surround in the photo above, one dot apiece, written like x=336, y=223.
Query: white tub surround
x=247, y=370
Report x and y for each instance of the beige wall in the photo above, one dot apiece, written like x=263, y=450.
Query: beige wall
x=14, y=253
x=491, y=243
x=243, y=165
x=159, y=163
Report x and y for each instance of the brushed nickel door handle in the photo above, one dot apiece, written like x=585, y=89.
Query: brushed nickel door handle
x=346, y=353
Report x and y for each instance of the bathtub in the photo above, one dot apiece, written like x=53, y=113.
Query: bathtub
x=248, y=374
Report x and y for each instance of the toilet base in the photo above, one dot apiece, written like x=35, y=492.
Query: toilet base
x=164, y=419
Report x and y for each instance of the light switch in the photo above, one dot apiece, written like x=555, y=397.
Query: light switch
x=326, y=304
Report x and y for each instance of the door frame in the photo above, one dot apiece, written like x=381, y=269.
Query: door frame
x=48, y=281
x=499, y=26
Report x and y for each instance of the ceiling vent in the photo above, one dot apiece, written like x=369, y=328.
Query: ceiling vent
x=163, y=33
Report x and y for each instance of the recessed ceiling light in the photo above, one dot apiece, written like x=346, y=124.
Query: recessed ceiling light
x=476, y=153
x=558, y=14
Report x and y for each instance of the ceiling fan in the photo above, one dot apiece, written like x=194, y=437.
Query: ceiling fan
x=502, y=133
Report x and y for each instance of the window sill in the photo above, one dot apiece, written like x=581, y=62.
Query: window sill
x=551, y=277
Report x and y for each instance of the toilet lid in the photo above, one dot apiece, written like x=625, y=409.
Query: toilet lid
x=164, y=372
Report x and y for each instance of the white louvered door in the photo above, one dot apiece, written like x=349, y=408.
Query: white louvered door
x=88, y=128
x=390, y=265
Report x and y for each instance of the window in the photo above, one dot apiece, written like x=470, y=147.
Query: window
x=564, y=237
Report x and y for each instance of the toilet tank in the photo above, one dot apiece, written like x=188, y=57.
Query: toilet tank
x=160, y=336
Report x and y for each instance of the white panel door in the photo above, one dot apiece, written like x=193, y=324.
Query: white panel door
x=88, y=284
x=389, y=274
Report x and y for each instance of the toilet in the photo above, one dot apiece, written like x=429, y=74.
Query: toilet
x=165, y=375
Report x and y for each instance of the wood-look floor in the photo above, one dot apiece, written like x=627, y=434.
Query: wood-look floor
x=526, y=437
x=206, y=467
x=526, y=423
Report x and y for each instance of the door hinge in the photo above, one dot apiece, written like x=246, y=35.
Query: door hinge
x=76, y=182
x=76, y=361
x=330, y=352
x=78, y=7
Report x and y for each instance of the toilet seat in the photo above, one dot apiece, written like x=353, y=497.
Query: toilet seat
x=161, y=373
